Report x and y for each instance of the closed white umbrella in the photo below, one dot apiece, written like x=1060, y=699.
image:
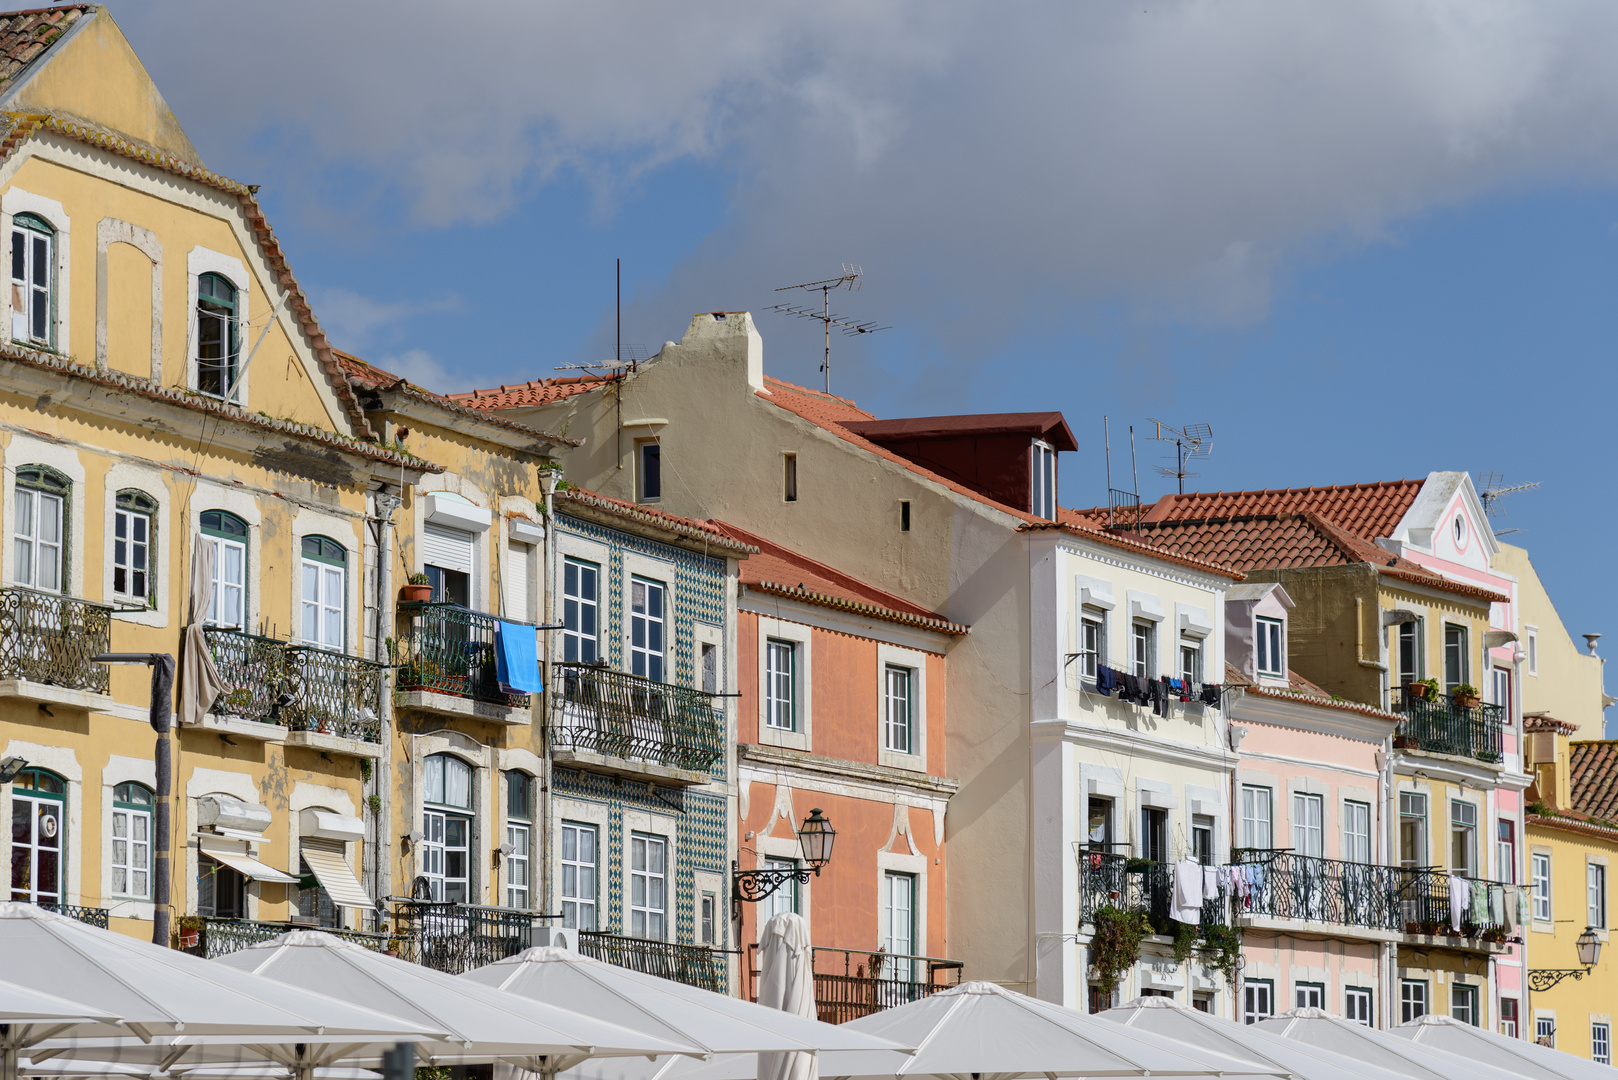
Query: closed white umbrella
x=161, y=995
x=484, y=1024
x=787, y=982
x=981, y=1031
x=1358, y=1043
x=1166, y=1017
x=1520, y=1056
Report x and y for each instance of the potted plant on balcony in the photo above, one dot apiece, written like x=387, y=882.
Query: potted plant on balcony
x=1466, y=696
x=1424, y=689
x=417, y=591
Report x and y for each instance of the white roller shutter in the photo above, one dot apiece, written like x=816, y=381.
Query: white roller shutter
x=446, y=547
x=516, y=583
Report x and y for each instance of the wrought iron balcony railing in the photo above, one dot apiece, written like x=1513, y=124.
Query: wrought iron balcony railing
x=93, y=916
x=300, y=686
x=46, y=638
x=210, y=937
x=693, y=965
x=455, y=938
x=1424, y=907
x=851, y=983
x=625, y=716
x=1441, y=726
x=449, y=649
x=1108, y=879
x=1285, y=885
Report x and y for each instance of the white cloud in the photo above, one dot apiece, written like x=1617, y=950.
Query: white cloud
x=983, y=161
x=421, y=368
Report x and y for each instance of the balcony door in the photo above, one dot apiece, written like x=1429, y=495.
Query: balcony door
x=446, y=557
x=1455, y=658
x=36, y=530
x=446, y=826
x=899, y=925
x=648, y=886
x=37, y=840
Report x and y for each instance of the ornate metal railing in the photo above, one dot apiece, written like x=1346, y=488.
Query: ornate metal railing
x=210, y=937
x=851, y=983
x=1423, y=906
x=94, y=916
x=693, y=965
x=459, y=937
x=1108, y=879
x=1285, y=885
x=45, y=638
x=449, y=649
x=626, y=716
x=300, y=686
x=1441, y=726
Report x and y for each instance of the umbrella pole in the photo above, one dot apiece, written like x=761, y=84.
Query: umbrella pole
x=8, y=1055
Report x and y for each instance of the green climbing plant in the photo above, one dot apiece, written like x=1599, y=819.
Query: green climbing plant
x=1222, y=950
x=1185, y=941
x=1116, y=944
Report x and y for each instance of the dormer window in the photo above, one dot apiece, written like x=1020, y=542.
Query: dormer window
x=1043, y=481
x=1271, y=660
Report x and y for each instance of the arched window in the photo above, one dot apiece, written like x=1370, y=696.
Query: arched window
x=33, y=281
x=446, y=846
x=519, y=837
x=133, y=520
x=217, y=344
x=38, y=825
x=228, y=534
x=132, y=841
x=325, y=591
x=39, y=528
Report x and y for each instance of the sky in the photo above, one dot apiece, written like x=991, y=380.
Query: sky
x=1362, y=242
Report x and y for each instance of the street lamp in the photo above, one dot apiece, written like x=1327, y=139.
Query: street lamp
x=1588, y=946
x=815, y=837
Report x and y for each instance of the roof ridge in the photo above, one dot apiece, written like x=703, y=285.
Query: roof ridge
x=692, y=528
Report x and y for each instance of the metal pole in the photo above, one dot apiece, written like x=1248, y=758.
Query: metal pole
x=161, y=715
x=825, y=318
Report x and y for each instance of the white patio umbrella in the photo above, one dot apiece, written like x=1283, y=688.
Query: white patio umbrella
x=787, y=982
x=730, y=1029
x=28, y=1016
x=159, y=994
x=484, y=1024
x=1501, y=1051
x=1168, y=1018
x=981, y=1031
x=1356, y=1042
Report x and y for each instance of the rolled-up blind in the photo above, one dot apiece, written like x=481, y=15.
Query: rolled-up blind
x=516, y=582
x=445, y=547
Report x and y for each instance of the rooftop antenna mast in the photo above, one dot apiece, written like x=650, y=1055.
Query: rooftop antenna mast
x=1123, y=507
x=850, y=280
x=1194, y=441
x=1492, y=488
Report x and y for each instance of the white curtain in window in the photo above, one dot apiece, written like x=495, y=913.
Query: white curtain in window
x=323, y=602
x=37, y=538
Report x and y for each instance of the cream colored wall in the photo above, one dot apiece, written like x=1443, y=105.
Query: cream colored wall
x=1568, y=680
x=1573, y=1004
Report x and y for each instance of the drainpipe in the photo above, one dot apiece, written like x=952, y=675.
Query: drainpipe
x=387, y=502
x=161, y=713
x=548, y=478
x=1390, y=849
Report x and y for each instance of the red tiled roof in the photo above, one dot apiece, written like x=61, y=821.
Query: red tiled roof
x=1299, y=688
x=368, y=375
x=1546, y=722
x=1593, y=770
x=537, y=392
x=1368, y=510
x=26, y=34
x=704, y=531
x=775, y=568
x=1574, y=821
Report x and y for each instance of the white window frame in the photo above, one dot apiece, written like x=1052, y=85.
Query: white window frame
x=436, y=817
x=1142, y=648
x=898, y=708
x=1309, y=824
x=30, y=290
x=1545, y=1028
x=575, y=903
x=1505, y=851
x=1540, y=885
x=16, y=201
x=642, y=656
x=802, y=734
x=1422, y=857
x=1042, y=482
x=220, y=584
x=1356, y=831
x=1533, y=649
x=645, y=448
x=1269, y=647
x=330, y=612
x=1595, y=895
x=1459, y=825
x=1358, y=1003
x=1092, y=641
x=1258, y=1000
x=26, y=534
x=574, y=604
x=781, y=684
x=788, y=898
x=200, y=261
x=1309, y=995
x=128, y=519
x=1473, y=1003
x=1463, y=656
x=1190, y=650
x=914, y=661
x=137, y=853
x=1601, y=1042
x=1410, y=1000
x=1258, y=816
x=896, y=917
x=648, y=919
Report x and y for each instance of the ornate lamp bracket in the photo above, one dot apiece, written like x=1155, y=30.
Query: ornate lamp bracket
x=1545, y=978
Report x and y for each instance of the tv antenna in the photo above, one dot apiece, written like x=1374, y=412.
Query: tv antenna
x=1123, y=507
x=1493, y=488
x=1191, y=442
x=628, y=356
x=851, y=280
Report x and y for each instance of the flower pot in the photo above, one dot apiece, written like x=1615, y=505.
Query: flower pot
x=1419, y=691
x=415, y=594
x=1405, y=742
x=1467, y=701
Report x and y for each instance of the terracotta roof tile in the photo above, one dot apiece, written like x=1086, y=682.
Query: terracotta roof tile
x=1367, y=510
x=1547, y=722
x=26, y=34
x=1593, y=768
x=364, y=374
x=706, y=532
x=537, y=392
x=783, y=572
x=1299, y=688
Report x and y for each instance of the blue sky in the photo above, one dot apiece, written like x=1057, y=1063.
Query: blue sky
x=1363, y=242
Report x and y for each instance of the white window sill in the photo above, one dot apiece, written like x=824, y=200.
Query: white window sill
x=893, y=760
x=792, y=740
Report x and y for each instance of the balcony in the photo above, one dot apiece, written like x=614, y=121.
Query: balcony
x=611, y=722
x=46, y=642
x=693, y=965
x=1107, y=879
x=852, y=983
x=446, y=653
x=1440, y=726
x=1352, y=899
x=92, y=916
x=316, y=698
x=456, y=938
x=1424, y=912
x=211, y=938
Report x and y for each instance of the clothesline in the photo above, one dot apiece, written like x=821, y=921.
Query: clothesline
x=1159, y=693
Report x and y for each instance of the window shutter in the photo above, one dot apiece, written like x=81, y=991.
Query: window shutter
x=446, y=547
x=516, y=582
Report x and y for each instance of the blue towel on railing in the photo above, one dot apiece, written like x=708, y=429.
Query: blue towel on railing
x=516, y=658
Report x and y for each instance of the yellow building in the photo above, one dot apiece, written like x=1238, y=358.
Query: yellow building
x=165, y=390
